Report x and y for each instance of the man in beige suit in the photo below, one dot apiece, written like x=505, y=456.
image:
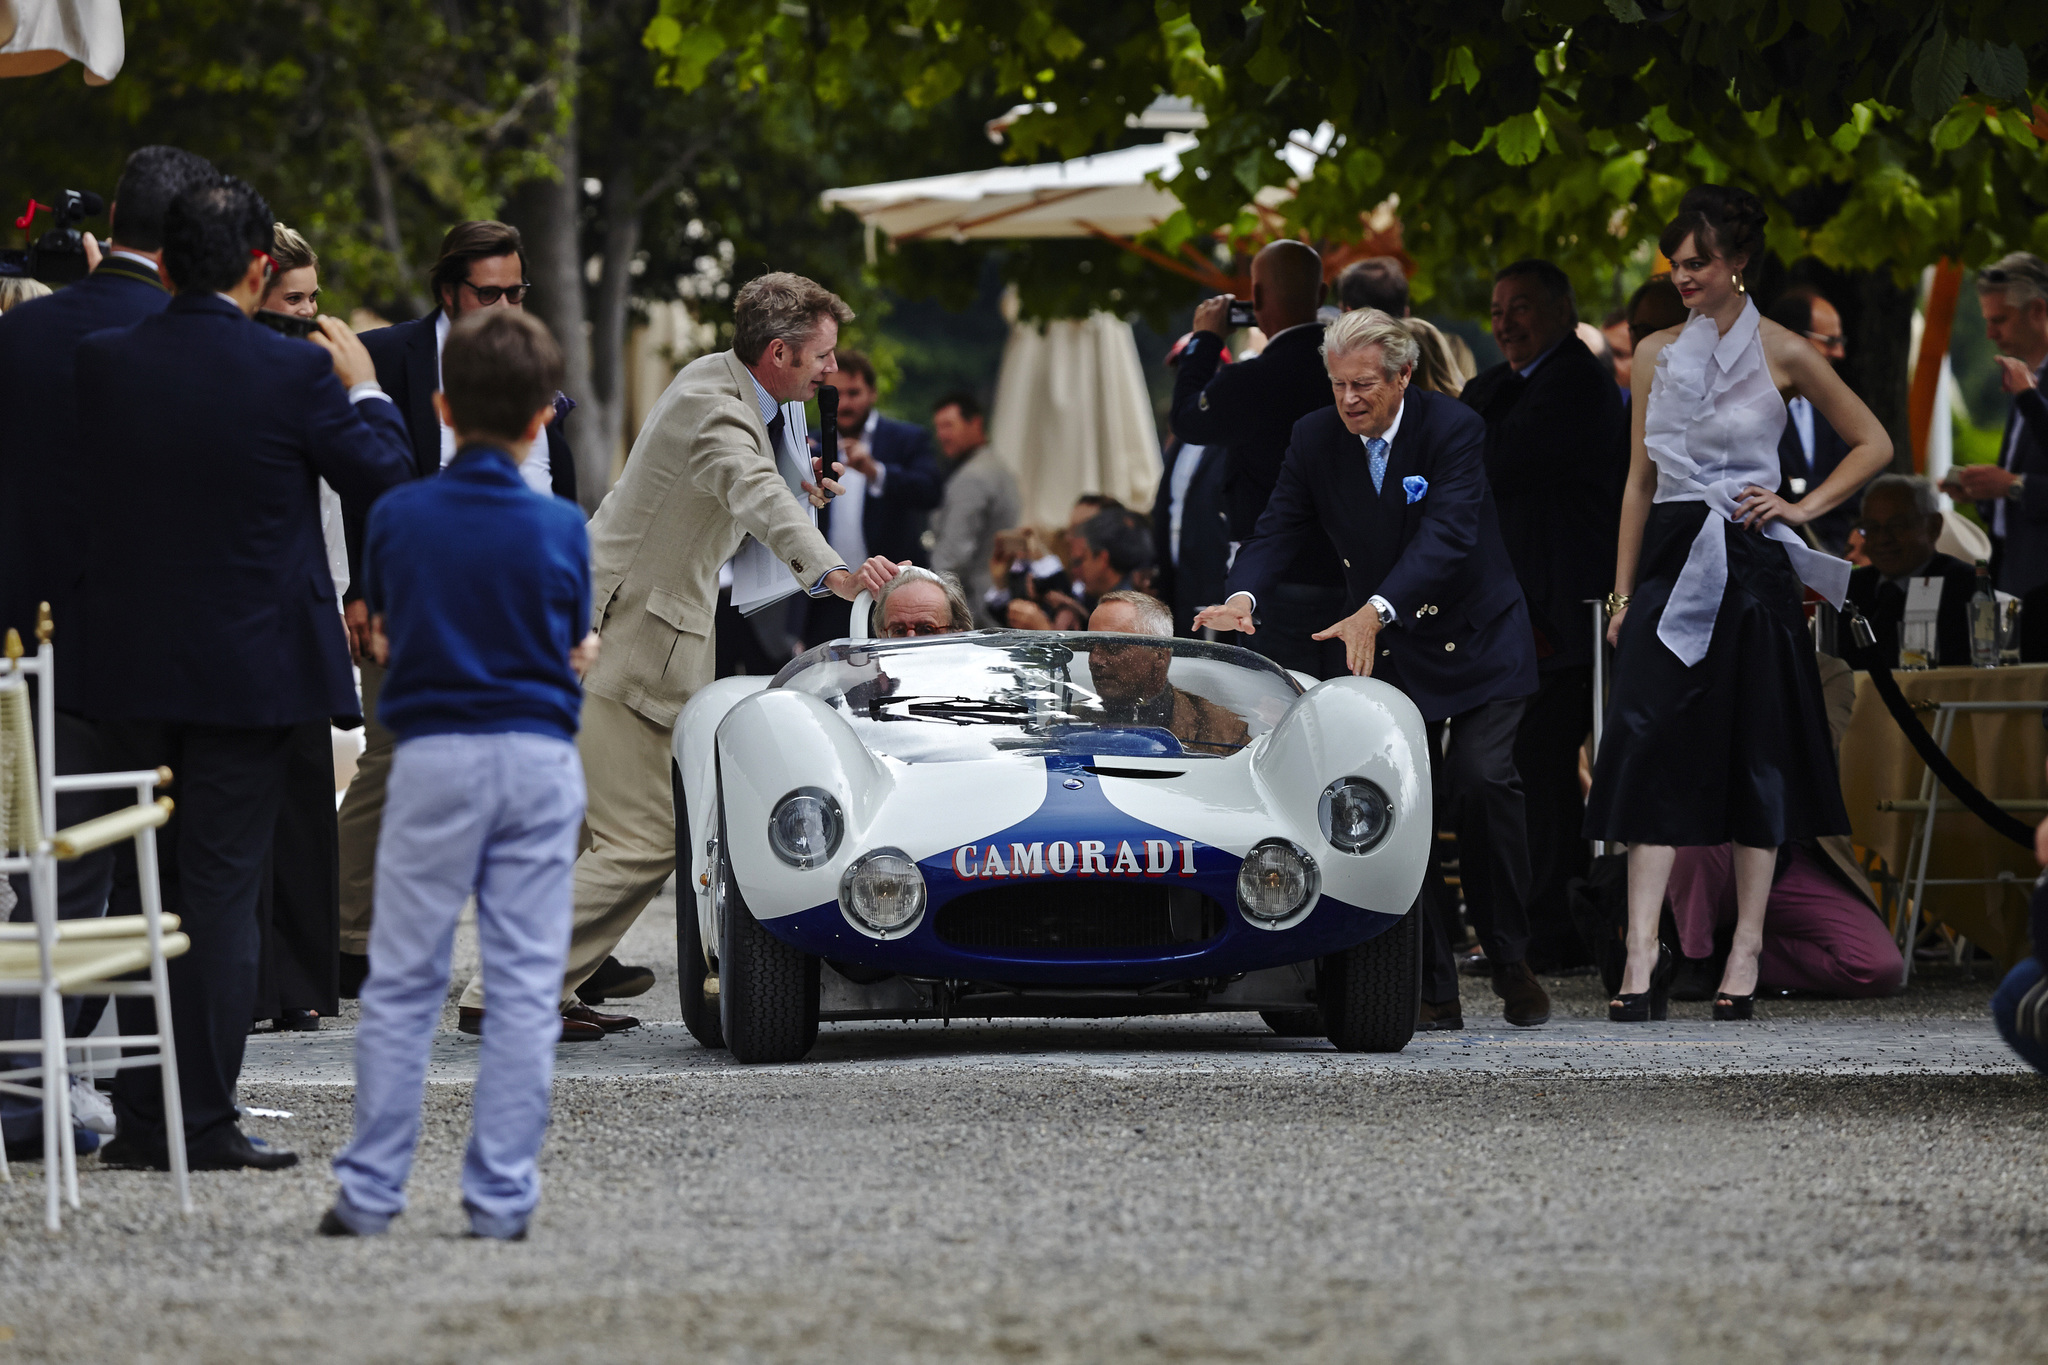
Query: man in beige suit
x=702, y=475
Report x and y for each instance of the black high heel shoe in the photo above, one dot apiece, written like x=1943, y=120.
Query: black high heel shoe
x=1653, y=1004
x=1737, y=1007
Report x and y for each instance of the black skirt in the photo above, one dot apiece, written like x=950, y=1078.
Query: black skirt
x=1735, y=748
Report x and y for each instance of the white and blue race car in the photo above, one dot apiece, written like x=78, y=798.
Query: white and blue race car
x=1013, y=823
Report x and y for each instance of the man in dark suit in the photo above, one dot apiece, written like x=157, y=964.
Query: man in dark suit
x=208, y=612
x=482, y=265
x=883, y=509
x=1249, y=409
x=1394, y=478
x=1901, y=521
x=2013, y=494
x=44, y=494
x=1556, y=460
x=1810, y=448
x=1190, y=531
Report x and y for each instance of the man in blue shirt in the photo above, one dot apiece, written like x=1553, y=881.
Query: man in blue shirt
x=479, y=590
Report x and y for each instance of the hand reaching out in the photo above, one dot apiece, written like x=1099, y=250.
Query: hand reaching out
x=1236, y=614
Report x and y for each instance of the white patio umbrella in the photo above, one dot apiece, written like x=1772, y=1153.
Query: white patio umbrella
x=41, y=35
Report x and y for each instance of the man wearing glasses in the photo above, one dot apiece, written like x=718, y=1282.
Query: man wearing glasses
x=1809, y=449
x=482, y=265
x=1901, y=520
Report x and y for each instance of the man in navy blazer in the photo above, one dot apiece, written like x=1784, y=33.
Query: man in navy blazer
x=1809, y=448
x=44, y=494
x=2012, y=495
x=1395, y=478
x=208, y=612
x=482, y=265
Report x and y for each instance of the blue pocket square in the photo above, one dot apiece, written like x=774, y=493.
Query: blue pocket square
x=1415, y=486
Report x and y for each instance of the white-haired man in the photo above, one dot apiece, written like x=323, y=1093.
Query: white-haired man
x=703, y=474
x=1395, y=477
x=918, y=602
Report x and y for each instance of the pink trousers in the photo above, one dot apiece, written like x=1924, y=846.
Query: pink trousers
x=1818, y=935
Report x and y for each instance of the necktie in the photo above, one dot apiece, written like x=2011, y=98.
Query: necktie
x=1376, y=452
x=776, y=430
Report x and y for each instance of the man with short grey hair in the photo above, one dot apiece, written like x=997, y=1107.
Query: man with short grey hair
x=919, y=602
x=2012, y=495
x=706, y=471
x=1900, y=521
x=1393, y=477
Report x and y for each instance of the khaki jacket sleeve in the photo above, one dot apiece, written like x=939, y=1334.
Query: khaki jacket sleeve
x=729, y=464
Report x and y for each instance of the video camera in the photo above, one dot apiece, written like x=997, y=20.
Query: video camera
x=57, y=258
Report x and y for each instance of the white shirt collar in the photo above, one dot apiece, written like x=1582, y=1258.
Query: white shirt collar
x=135, y=257
x=1392, y=427
x=764, y=400
x=441, y=326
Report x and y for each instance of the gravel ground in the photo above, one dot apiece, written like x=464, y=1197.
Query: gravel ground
x=960, y=1212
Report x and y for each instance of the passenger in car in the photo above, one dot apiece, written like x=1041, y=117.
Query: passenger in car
x=1131, y=679
x=919, y=602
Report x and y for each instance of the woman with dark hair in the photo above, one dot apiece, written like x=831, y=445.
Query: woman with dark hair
x=1716, y=730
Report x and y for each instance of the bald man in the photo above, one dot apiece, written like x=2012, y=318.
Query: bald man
x=1251, y=408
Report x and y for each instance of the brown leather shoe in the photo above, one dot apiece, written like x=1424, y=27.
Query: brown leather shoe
x=1524, y=1001
x=471, y=1021
x=580, y=1013
x=1448, y=1017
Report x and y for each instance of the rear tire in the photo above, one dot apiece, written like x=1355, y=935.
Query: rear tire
x=1294, y=1023
x=693, y=964
x=1369, y=994
x=767, y=990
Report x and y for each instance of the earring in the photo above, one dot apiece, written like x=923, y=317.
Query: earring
x=1740, y=288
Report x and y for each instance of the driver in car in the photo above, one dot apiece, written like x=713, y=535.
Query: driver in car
x=1131, y=679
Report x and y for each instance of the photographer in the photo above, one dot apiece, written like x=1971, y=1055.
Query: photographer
x=44, y=497
x=204, y=654
x=300, y=911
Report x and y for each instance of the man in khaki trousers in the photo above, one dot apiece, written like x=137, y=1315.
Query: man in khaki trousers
x=701, y=476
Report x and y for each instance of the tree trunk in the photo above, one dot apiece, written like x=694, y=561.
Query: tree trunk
x=546, y=213
x=386, y=202
x=611, y=317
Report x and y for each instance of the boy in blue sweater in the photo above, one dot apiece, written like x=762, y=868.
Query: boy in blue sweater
x=480, y=594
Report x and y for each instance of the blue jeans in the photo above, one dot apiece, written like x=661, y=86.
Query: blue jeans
x=496, y=816
x=2006, y=1010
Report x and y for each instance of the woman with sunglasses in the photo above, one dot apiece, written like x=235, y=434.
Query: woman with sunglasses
x=1716, y=728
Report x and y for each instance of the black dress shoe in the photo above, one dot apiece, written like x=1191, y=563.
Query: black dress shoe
x=1448, y=1017
x=297, y=1021
x=610, y=1023
x=355, y=968
x=124, y=1153
x=332, y=1226
x=1524, y=1002
x=233, y=1150
x=613, y=980
x=574, y=1030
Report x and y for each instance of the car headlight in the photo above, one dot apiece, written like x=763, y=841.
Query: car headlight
x=1356, y=814
x=883, y=890
x=1276, y=879
x=806, y=827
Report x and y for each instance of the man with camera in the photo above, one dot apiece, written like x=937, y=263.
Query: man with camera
x=44, y=494
x=208, y=614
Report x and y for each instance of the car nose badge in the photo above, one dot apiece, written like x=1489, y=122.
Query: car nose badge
x=1073, y=784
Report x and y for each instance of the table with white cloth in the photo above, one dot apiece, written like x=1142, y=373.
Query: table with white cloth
x=2001, y=752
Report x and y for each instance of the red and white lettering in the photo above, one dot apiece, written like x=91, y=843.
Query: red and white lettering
x=1092, y=860
x=1060, y=857
x=1187, y=857
x=1027, y=860
x=1126, y=861
x=1158, y=857
x=963, y=862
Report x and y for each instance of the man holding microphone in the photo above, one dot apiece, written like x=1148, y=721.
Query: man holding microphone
x=705, y=473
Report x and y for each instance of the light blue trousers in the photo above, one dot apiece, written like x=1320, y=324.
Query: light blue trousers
x=496, y=816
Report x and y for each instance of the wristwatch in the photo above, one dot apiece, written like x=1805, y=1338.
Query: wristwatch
x=2016, y=489
x=1383, y=608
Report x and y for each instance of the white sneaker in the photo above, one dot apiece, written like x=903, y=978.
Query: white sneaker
x=91, y=1109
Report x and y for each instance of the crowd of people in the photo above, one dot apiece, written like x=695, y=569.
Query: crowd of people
x=245, y=538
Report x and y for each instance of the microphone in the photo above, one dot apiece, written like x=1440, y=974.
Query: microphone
x=828, y=439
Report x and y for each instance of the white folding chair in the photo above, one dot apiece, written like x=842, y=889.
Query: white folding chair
x=51, y=958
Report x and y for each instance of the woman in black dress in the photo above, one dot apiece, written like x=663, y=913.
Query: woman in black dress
x=1716, y=731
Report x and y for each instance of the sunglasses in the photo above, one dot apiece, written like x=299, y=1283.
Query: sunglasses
x=488, y=294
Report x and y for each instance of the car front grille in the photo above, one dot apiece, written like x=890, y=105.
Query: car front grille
x=1070, y=916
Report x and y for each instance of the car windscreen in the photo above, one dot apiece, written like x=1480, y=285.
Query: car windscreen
x=1039, y=693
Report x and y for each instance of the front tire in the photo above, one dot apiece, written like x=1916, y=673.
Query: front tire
x=1369, y=994
x=767, y=990
x=693, y=964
